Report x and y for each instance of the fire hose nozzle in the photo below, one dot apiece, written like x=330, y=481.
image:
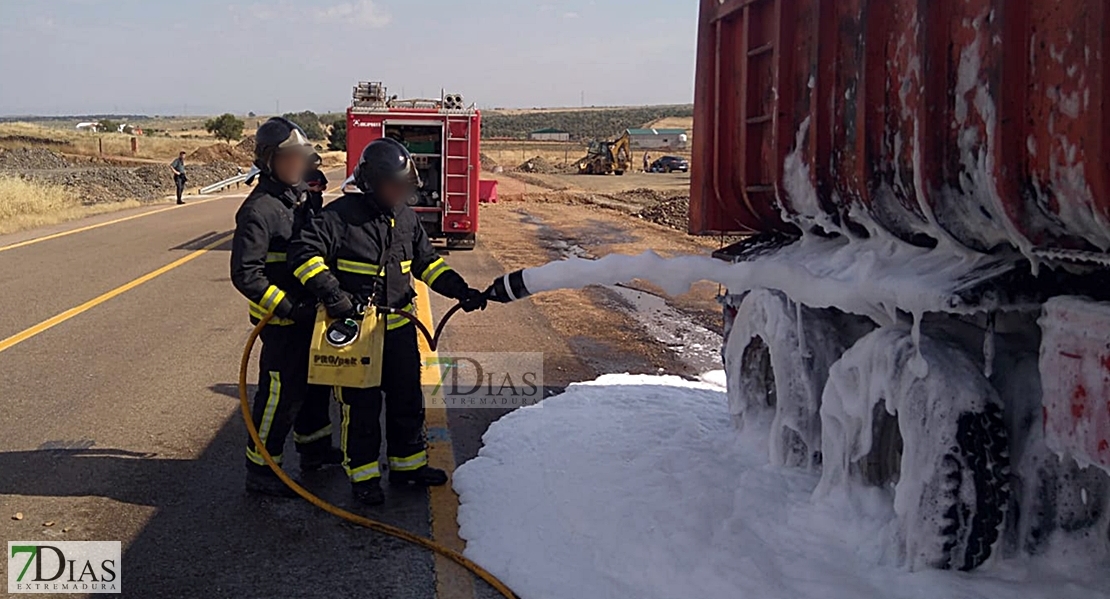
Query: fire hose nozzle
x=508, y=288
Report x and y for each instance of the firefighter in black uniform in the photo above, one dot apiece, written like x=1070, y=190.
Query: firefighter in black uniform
x=364, y=249
x=259, y=270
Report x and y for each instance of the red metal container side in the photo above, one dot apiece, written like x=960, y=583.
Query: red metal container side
x=462, y=139
x=984, y=121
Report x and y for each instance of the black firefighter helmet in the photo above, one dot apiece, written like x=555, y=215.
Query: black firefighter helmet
x=278, y=134
x=384, y=159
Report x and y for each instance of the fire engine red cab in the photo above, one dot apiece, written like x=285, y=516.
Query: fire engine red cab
x=443, y=136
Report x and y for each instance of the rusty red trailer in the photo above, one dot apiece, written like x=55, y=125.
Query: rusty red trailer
x=971, y=131
x=984, y=120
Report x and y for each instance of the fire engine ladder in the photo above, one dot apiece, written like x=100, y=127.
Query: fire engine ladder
x=457, y=162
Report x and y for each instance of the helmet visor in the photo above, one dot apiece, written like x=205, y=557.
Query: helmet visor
x=296, y=141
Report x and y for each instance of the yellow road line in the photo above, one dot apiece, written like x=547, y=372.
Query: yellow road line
x=53, y=321
x=452, y=582
x=106, y=223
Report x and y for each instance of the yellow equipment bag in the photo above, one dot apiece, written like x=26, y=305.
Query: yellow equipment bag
x=357, y=365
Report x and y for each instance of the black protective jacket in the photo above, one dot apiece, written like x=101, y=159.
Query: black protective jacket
x=264, y=225
x=355, y=246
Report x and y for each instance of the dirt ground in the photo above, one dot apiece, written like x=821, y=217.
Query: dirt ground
x=562, y=225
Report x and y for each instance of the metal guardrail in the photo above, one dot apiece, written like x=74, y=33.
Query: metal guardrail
x=221, y=185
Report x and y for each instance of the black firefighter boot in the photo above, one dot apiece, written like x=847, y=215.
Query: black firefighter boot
x=368, y=492
x=318, y=454
x=265, y=482
x=424, y=476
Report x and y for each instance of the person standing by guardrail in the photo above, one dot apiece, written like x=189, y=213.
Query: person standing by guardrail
x=179, y=177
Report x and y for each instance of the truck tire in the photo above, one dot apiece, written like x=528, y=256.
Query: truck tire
x=461, y=241
x=939, y=440
x=775, y=376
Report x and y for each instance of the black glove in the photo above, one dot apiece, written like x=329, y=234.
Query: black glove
x=304, y=311
x=341, y=306
x=472, y=300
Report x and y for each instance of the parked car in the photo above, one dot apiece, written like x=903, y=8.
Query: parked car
x=670, y=164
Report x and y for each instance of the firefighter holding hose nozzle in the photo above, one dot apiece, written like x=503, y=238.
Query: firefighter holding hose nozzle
x=364, y=249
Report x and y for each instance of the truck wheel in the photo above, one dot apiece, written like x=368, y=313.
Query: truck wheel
x=938, y=438
x=618, y=173
x=461, y=241
x=775, y=377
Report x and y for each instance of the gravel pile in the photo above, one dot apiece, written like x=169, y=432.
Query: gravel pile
x=22, y=159
x=643, y=196
x=538, y=164
x=221, y=152
x=97, y=182
x=99, y=185
x=488, y=164
x=246, y=146
x=673, y=213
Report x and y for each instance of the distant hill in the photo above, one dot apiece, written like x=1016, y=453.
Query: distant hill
x=584, y=124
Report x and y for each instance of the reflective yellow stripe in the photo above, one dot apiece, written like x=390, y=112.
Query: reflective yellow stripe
x=309, y=269
x=271, y=406
x=275, y=257
x=364, y=473
x=431, y=267
x=434, y=270
x=271, y=298
x=256, y=457
x=406, y=266
x=316, y=436
x=359, y=268
x=259, y=312
x=344, y=423
x=396, y=321
x=411, y=462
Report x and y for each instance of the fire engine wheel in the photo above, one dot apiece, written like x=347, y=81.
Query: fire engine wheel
x=775, y=376
x=938, y=440
x=461, y=241
x=1063, y=496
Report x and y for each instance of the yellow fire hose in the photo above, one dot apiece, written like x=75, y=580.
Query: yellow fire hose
x=393, y=531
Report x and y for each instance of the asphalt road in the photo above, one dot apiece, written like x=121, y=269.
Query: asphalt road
x=120, y=340
x=122, y=423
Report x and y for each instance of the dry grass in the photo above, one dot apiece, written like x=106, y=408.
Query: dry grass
x=84, y=143
x=509, y=154
x=675, y=122
x=331, y=159
x=27, y=205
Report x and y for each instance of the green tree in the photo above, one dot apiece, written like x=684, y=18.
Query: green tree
x=309, y=121
x=227, y=127
x=107, y=125
x=337, y=138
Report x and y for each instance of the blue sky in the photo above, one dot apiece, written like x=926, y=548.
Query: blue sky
x=208, y=56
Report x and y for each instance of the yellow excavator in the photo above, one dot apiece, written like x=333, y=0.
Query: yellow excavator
x=607, y=157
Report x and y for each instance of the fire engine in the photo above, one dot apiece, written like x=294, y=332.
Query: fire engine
x=443, y=136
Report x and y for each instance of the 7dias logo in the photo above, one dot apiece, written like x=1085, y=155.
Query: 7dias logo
x=64, y=567
x=484, y=380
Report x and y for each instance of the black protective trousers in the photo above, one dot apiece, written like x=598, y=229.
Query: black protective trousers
x=400, y=392
x=284, y=399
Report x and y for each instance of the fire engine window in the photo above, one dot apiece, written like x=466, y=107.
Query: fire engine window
x=425, y=143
